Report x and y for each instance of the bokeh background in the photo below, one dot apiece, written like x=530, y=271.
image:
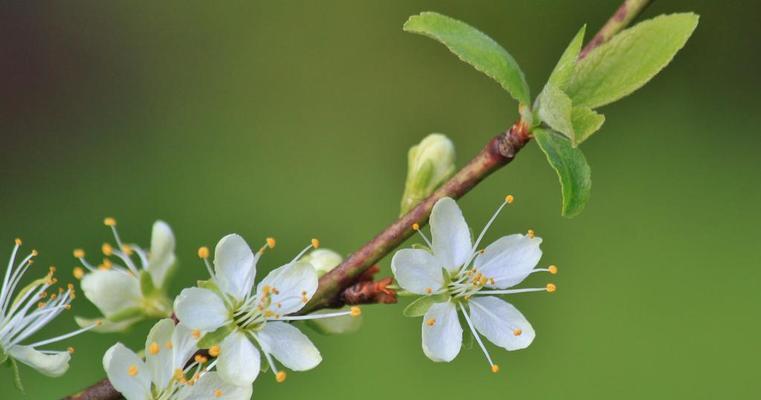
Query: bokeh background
x=293, y=119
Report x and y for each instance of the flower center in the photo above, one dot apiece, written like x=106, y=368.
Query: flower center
x=466, y=283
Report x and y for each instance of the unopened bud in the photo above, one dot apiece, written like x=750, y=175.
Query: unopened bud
x=323, y=260
x=429, y=164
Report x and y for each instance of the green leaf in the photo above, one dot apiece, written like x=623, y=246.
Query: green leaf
x=475, y=48
x=585, y=122
x=420, y=306
x=629, y=60
x=571, y=167
x=215, y=337
x=17, y=376
x=554, y=109
x=565, y=66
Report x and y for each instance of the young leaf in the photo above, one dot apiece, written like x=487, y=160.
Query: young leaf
x=572, y=169
x=554, y=108
x=419, y=307
x=585, y=122
x=629, y=60
x=475, y=48
x=564, y=68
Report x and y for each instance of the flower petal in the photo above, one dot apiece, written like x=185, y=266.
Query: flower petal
x=442, y=333
x=159, y=359
x=289, y=286
x=417, y=271
x=52, y=365
x=212, y=386
x=119, y=362
x=99, y=287
x=450, y=234
x=498, y=320
x=235, y=266
x=184, y=345
x=200, y=309
x=289, y=346
x=509, y=260
x=238, y=362
x=161, y=257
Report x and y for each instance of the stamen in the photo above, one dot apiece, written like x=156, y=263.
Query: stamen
x=416, y=228
x=65, y=336
x=78, y=272
x=531, y=234
x=495, y=368
x=280, y=376
x=107, y=249
x=354, y=312
x=214, y=351
x=315, y=243
x=514, y=291
x=154, y=349
x=301, y=254
x=271, y=242
x=478, y=338
x=508, y=200
x=79, y=253
x=431, y=322
x=551, y=287
x=217, y=393
x=552, y=269
x=196, y=333
x=132, y=370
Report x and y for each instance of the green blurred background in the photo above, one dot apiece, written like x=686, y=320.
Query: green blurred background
x=293, y=119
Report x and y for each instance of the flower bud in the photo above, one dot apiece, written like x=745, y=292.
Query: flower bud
x=429, y=164
x=323, y=260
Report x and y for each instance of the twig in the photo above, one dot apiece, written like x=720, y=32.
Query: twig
x=348, y=283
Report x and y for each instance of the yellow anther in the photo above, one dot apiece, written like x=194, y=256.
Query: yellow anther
x=203, y=252
x=315, y=243
x=67, y=307
x=71, y=350
x=495, y=368
x=280, y=376
x=415, y=226
x=531, y=233
x=217, y=393
x=196, y=333
x=98, y=323
x=169, y=345
x=108, y=221
x=52, y=269
x=41, y=305
x=127, y=249
x=132, y=370
x=178, y=374
x=551, y=287
x=154, y=348
x=35, y=253
x=78, y=272
x=431, y=322
x=200, y=359
x=552, y=269
x=107, y=249
x=106, y=263
x=509, y=199
x=356, y=311
x=79, y=253
x=214, y=351
x=428, y=290
x=517, y=332
x=271, y=242
x=18, y=242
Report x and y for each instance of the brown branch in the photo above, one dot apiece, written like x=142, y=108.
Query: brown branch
x=352, y=281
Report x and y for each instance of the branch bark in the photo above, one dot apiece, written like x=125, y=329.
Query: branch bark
x=351, y=282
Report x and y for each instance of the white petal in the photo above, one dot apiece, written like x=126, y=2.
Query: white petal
x=235, y=266
x=184, y=345
x=161, y=256
x=293, y=283
x=442, y=340
x=417, y=271
x=450, y=234
x=497, y=320
x=200, y=309
x=53, y=365
x=117, y=362
x=509, y=260
x=160, y=364
x=238, y=361
x=101, y=286
x=212, y=386
x=289, y=346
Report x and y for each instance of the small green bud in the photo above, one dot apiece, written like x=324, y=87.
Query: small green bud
x=323, y=260
x=429, y=164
